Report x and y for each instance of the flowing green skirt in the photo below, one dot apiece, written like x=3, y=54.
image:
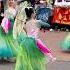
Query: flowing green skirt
x=29, y=56
x=66, y=43
x=8, y=46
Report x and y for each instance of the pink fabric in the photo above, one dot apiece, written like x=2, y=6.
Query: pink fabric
x=6, y=24
x=42, y=47
x=9, y=25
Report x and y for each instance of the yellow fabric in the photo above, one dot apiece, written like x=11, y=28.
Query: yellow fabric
x=20, y=20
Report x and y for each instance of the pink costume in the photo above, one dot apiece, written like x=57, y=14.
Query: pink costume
x=32, y=31
x=6, y=24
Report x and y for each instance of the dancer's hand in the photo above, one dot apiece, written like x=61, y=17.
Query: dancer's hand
x=53, y=59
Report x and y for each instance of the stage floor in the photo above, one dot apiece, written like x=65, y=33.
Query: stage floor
x=53, y=41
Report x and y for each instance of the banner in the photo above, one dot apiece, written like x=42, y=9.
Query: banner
x=61, y=15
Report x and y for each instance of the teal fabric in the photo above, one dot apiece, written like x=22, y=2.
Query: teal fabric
x=8, y=46
x=65, y=45
x=29, y=56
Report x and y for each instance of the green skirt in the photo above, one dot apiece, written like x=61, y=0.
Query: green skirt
x=65, y=46
x=8, y=46
x=29, y=56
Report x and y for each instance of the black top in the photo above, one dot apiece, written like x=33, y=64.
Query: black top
x=1, y=17
x=1, y=11
x=33, y=2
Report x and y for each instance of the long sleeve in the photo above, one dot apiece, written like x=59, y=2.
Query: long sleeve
x=5, y=24
x=44, y=49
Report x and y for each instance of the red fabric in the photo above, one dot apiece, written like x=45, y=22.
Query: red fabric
x=9, y=25
x=61, y=15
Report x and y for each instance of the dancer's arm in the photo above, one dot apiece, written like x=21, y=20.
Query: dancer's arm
x=44, y=49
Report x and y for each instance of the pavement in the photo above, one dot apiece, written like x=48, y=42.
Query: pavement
x=58, y=65
x=7, y=66
x=53, y=42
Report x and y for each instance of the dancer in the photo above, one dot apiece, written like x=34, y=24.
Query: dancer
x=11, y=11
x=65, y=45
x=8, y=46
x=32, y=51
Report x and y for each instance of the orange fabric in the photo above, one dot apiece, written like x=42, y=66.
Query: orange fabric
x=61, y=15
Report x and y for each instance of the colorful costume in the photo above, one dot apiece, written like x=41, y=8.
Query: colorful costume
x=8, y=46
x=10, y=13
x=66, y=43
x=20, y=20
x=30, y=57
x=32, y=52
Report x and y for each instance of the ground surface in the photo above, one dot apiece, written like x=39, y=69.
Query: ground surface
x=53, y=41
x=59, y=65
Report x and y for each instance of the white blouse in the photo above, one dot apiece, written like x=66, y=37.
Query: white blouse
x=10, y=12
x=32, y=29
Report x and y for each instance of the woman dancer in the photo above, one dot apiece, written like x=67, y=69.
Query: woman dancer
x=32, y=51
x=11, y=11
x=8, y=46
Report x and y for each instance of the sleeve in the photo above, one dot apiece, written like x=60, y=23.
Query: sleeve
x=4, y=24
x=34, y=33
x=44, y=49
